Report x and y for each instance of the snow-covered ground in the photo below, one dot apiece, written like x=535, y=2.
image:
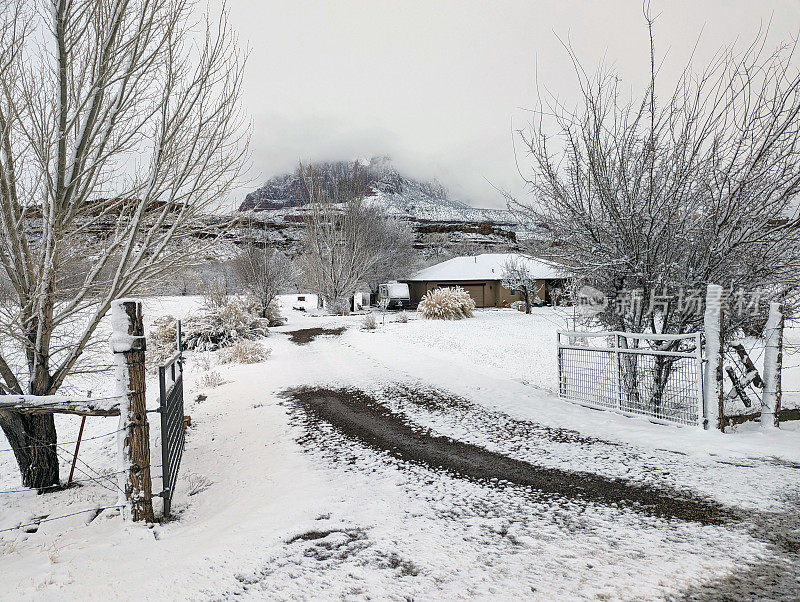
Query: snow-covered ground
x=274, y=505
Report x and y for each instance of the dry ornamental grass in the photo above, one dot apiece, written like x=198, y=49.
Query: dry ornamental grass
x=447, y=303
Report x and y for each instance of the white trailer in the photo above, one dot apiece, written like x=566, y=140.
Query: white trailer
x=394, y=295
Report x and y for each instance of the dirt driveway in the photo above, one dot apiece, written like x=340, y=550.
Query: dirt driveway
x=365, y=420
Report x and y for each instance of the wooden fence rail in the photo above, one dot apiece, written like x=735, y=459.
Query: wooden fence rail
x=60, y=404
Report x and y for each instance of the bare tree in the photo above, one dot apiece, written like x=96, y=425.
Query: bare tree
x=264, y=273
x=118, y=129
x=437, y=246
x=517, y=276
x=659, y=195
x=350, y=243
x=466, y=247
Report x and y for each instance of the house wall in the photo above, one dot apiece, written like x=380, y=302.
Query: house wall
x=506, y=298
x=489, y=293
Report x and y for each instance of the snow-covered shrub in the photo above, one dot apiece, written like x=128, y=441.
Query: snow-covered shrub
x=197, y=483
x=210, y=380
x=215, y=293
x=368, y=322
x=212, y=327
x=204, y=361
x=244, y=352
x=447, y=303
x=339, y=307
x=273, y=314
x=162, y=341
x=402, y=317
x=216, y=327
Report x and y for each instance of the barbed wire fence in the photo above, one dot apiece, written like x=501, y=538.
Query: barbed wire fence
x=138, y=486
x=761, y=391
x=98, y=477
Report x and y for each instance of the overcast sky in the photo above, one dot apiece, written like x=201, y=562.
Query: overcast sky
x=439, y=85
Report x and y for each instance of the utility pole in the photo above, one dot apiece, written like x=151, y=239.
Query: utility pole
x=128, y=343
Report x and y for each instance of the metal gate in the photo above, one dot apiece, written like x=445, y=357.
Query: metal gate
x=657, y=376
x=170, y=379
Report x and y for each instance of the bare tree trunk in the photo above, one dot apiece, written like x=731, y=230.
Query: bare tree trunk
x=124, y=83
x=33, y=436
x=629, y=365
x=33, y=439
x=662, y=369
x=527, y=301
x=41, y=469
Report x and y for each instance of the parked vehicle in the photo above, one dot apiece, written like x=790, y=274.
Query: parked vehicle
x=394, y=295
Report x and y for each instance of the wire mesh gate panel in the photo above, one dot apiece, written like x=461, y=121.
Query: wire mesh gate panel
x=657, y=376
x=170, y=377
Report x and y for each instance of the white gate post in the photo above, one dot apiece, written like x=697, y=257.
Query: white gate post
x=560, y=372
x=770, y=403
x=698, y=349
x=618, y=371
x=712, y=385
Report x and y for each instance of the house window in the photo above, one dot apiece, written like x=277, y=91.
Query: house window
x=512, y=292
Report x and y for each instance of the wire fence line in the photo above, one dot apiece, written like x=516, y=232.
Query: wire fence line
x=48, y=519
x=59, y=446
x=74, y=481
x=99, y=476
x=11, y=449
x=81, y=481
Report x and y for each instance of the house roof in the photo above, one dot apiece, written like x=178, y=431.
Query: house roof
x=488, y=266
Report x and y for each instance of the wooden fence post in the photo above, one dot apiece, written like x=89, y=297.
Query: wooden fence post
x=713, y=399
x=128, y=345
x=771, y=398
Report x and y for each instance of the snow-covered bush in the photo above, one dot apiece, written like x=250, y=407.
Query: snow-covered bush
x=244, y=352
x=446, y=304
x=197, y=483
x=273, y=314
x=402, y=317
x=204, y=361
x=212, y=327
x=338, y=307
x=162, y=341
x=368, y=322
x=210, y=380
x=215, y=327
x=215, y=293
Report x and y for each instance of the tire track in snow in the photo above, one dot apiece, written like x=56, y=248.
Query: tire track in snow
x=361, y=417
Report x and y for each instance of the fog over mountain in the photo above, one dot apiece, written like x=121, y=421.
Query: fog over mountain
x=399, y=194
x=441, y=86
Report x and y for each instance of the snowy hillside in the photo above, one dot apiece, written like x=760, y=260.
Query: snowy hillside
x=381, y=184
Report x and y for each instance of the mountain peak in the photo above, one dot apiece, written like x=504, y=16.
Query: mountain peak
x=382, y=184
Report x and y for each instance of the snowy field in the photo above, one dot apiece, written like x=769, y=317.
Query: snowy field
x=276, y=500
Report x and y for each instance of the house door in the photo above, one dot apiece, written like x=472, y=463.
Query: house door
x=476, y=291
